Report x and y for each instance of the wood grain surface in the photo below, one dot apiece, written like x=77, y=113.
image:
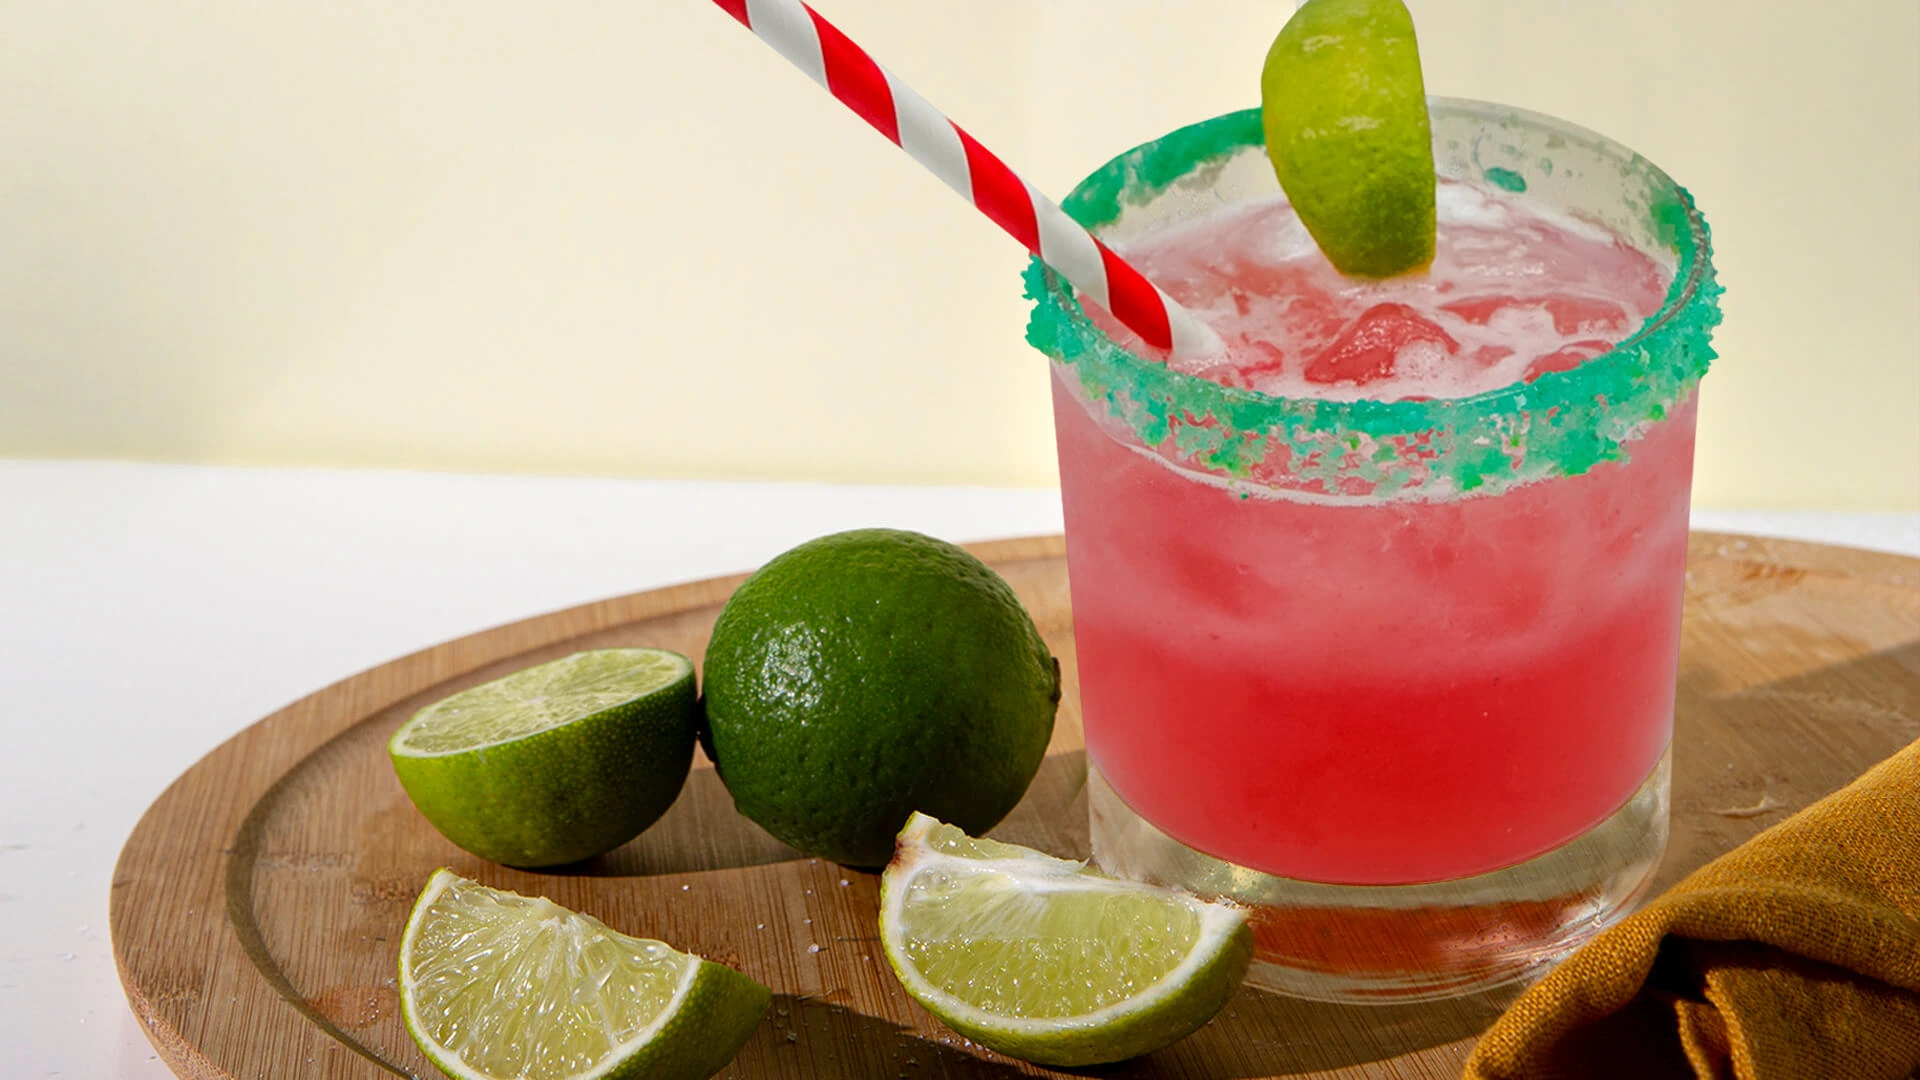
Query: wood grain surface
x=257, y=907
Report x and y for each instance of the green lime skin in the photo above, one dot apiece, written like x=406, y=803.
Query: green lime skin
x=868, y=674
x=721, y=1012
x=1344, y=105
x=566, y=793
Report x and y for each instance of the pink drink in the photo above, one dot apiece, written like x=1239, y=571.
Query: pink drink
x=1377, y=615
x=1380, y=691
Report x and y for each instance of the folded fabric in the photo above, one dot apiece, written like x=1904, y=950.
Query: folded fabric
x=1795, y=955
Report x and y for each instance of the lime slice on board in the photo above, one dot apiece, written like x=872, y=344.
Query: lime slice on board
x=495, y=985
x=1046, y=960
x=1345, y=112
x=555, y=763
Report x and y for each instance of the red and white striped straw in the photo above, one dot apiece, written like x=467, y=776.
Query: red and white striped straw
x=816, y=47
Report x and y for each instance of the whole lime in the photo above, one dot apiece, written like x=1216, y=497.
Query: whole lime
x=863, y=676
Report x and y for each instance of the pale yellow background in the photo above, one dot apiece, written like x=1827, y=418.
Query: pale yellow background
x=621, y=236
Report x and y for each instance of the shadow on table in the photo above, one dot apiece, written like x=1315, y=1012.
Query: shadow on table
x=1747, y=757
x=1258, y=1035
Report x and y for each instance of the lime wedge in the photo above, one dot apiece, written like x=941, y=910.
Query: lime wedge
x=494, y=985
x=1345, y=112
x=1046, y=960
x=555, y=763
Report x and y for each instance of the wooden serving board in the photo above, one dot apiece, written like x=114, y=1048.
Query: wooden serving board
x=257, y=907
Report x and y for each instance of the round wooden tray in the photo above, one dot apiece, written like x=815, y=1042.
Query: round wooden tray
x=257, y=907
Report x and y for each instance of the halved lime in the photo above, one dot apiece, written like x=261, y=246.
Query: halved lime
x=499, y=986
x=557, y=762
x=1046, y=960
x=1344, y=106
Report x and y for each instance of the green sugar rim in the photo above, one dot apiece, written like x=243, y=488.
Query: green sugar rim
x=1561, y=424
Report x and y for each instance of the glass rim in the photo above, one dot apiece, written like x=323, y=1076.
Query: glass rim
x=1553, y=419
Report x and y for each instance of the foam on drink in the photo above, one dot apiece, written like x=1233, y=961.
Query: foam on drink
x=1513, y=293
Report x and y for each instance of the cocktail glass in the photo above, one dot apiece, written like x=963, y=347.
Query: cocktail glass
x=1397, y=675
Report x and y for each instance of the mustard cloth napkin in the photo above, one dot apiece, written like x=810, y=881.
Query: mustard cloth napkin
x=1795, y=955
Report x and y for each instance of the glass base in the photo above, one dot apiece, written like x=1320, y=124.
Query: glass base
x=1390, y=944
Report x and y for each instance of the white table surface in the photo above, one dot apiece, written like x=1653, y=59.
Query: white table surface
x=149, y=612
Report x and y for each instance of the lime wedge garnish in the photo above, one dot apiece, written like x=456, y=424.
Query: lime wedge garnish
x=498, y=986
x=1345, y=112
x=1046, y=960
x=557, y=762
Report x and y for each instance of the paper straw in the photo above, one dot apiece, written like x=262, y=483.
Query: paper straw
x=816, y=47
